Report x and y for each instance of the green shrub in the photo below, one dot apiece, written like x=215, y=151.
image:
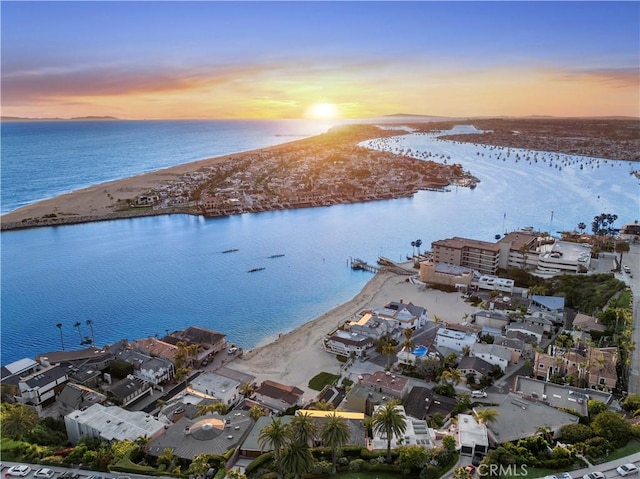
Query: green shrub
x=258, y=462
x=356, y=465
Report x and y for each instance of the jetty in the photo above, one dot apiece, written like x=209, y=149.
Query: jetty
x=232, y=250
x=359, y=264
x=253, y=270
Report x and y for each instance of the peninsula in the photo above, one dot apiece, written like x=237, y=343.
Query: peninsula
x=323, y=170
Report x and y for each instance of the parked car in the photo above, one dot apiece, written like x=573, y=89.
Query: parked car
x=20, y=470
x=470, y=469
x=44, y=473
x=98, y=476
x=594, y=475
x=626, y=268
x=477, y=459
x=478, y=394
x=69, y=475
x=232, y=350
x=562, y=475
x=211, y=472
x=627, y=469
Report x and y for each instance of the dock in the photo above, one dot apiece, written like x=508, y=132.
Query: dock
x=359, y=264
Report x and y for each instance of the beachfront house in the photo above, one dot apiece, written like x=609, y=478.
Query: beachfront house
x=40, y=388
x=128, y=390
x=405, y=315
x=374, y=327
x=417, y=433
x=277, y=397
x=455, y=340
x=222, y=388
x=347, y=344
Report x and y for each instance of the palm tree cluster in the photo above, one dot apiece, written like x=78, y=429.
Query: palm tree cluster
x=291, y=443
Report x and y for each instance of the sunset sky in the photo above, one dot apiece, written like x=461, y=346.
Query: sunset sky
x=359, y=59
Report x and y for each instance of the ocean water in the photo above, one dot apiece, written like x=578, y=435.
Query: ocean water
x=141, y=277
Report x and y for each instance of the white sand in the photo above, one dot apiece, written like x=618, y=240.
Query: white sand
x=296, y=357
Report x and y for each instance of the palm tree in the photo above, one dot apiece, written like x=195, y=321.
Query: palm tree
x=582, y=227
x=274, y=435
x=77, y=325
x=621, y=247
x=334, y=434
x=418, y=244
x=304, y=428
x=413, y=249
x=256, y=413
x=247, y=389
x=545, y=432
x=323, y=405
x=18, y=419
x=452, y=375
x=296, y=459
x=59, y=326
x=408, y=344
x=389, y=421
x=486, y=416
x=388, y=350
x=93, y=337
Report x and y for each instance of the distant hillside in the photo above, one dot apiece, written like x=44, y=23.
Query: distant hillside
x=411, y=115
x=79, y=118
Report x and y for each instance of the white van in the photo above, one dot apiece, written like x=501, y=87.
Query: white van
x=478, y=394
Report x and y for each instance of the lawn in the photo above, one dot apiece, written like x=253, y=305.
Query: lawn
x=320, y=380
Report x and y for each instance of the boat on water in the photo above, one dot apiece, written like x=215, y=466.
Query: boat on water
x=276, y=256
x=253, y=270
x=232, y=250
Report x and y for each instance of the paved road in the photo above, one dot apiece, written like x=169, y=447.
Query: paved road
x=632, y=259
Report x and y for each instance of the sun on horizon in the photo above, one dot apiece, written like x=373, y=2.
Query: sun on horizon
x=323, y=111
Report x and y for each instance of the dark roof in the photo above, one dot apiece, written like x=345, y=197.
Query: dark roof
x=45, y=376
x=282, y=392
x=58, y=357
x=476, y=364
x=127, y=386
x=417, y=402
x=441, y=404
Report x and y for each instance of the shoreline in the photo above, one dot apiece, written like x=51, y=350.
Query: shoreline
x=198, y=187
x=296, y=356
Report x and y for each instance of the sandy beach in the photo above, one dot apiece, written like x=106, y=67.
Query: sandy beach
x=297, y=356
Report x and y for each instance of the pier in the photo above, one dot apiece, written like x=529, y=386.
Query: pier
x=357, y=263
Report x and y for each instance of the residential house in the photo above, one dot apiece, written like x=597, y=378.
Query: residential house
x=154, y=370
x=492, y=319
x=517, y=347
x=476, y=366
x=545, y=323
x=344, y=343
x=208, y=434
x=519, y=418
x=209, y=342
x=12, y=372
x=405, y=315
x=222, y=388
x=110, y=423
x=584, y=322
x=96, y=358
x=40, y=388
x=155, y=347
x=417, y=433
x=76, y=396
x=472, y=436
x=374, y=327
x=527, y=328
x=491, y=353
x=386, y=383
x=552, y=305
x=128, y=390
x=454, y=340
x=276, y=396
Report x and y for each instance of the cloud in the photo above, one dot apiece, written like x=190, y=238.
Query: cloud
x=623, y=77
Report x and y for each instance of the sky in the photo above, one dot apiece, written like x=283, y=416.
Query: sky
x=147, y=60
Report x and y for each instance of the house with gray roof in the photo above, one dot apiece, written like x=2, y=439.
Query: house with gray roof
x=110, y=423
x=128, y=390
x=553, y=305
x=345, y=343
x=208, y=434
x=76, y=396
x=40, y=388
x=584, y=322
x=11, y=373
x=476, y=366
x=455, y=340
x=491, y=353
x=492, y=319
x=519, y=418
x=529, y=329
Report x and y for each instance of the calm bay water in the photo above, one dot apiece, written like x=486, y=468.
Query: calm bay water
x=141, y=277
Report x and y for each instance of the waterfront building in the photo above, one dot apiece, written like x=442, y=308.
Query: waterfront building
x=76, y=396
x=222, y=388
x=39, y=388
x=455, y=340
x=445, y=274
x=417, y=433
x=277, y=397
x=480, y=256
x=345, y=343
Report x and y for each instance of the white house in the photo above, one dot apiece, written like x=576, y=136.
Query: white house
x=344, y=343
x=455, y=340
x=217, y=386
x=491, y=353
x=472, y=436
x=41, y=386
x=111, y=423
x=417, y=433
